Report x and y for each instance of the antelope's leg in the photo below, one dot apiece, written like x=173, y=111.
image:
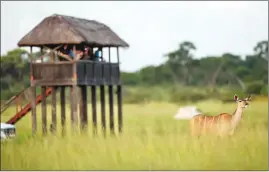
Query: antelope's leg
x=224, y=129
x=195, y=129
x=204, y=127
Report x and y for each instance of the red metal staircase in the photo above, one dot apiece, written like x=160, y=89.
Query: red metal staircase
x=23, y=110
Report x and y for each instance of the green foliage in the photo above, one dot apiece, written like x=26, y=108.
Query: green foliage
x=264, y=90
x=217, y=71
x=133, y=95
x=14, y=73
x=180, y=94
x=256, y=88
x=187, y=94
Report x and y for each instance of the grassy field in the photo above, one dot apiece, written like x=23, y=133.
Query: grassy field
x=152, y=140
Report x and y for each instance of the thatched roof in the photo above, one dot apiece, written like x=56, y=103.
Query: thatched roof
x=61, y=29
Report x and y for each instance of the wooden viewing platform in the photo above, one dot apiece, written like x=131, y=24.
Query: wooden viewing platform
x=53, y=75
x=86, y=73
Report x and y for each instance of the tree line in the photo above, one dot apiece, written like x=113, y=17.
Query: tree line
x=249, y=74
x=231, y=70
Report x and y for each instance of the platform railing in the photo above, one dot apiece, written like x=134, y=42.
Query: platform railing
x=57, y=73
x=97, y=73
x=82, y=72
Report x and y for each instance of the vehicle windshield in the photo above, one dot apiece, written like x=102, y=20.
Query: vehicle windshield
x=8, y=131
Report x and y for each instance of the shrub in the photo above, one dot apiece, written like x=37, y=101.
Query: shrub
x=255, y=88
x=264, y=90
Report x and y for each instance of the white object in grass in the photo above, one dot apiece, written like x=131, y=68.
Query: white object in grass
x=187, y=112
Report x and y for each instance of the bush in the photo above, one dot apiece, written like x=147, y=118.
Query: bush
x=138, y=95
x=188, y=94
x=255, y=88
x=264, y=90
x=227, y=95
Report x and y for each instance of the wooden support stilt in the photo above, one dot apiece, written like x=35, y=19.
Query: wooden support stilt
x=75, y=105
x=111, y=109
x=41, y=52
x=74, y=108
x=63, y=116
x=33, y=99
x=103, y=108
x=53, y=110
x=33, y=95
x=119, y=96
x=94, y=116
x=44, y=110
x=71, y=108
x=83, y=108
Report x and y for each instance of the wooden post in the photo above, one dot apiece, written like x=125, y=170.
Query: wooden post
x=31, y=63
x=103, y=108
x=41, y=51
x=83, y=107
x=118, y=56
x=33, y=99
x=53, y=109
x=109, y=56
x=110, y=73
x=74, y=96
x=110, y=95
x=73, y=106
x=74, y=52
x=102, y=57
x=44, y=111
x=94, y=118
x=33, y=95
x=119, y=95
x=63, y=117
x=111, y=110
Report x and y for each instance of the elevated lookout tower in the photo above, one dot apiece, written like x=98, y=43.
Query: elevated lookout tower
x=52, y=34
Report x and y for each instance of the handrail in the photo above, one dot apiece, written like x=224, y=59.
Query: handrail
x=28, y=107
x=7, y=103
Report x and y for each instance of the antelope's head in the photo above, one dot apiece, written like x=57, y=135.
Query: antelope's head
x=242, y=103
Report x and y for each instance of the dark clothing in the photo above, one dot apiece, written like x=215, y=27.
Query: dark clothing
x=62, y=59
x=65, y=51
x=94, y=58
x=86, y=57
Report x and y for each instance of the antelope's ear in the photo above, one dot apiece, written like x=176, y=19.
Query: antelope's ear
x=236, y=97
x=248, y=98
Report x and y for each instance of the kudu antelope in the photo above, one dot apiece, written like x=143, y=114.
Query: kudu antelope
x=222, y=124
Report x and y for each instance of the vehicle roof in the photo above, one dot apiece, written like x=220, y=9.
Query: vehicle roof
x=7, y=126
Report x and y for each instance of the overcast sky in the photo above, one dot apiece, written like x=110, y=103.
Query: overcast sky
x=151, y=28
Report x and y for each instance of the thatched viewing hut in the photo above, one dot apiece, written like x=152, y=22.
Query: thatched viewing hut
x=77, y=69
x=61, y=29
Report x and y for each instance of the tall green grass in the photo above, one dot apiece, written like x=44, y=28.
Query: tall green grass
x=151, y=140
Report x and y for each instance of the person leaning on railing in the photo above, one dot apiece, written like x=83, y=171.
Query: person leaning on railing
x=65, y=54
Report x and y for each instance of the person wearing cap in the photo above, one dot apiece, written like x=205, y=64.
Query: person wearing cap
x=87, y=53
x=98, y=55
